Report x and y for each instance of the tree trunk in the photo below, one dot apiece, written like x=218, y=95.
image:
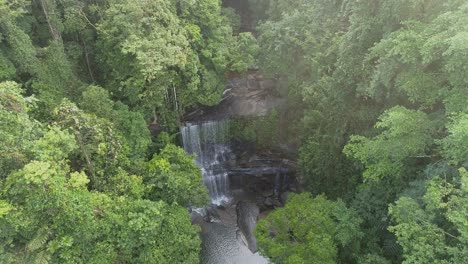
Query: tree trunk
x=52, y=28
x=88, y=63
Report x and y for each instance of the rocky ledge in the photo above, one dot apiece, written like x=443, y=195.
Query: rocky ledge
x=244, y=95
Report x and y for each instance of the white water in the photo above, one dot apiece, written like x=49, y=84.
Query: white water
x=208, y=141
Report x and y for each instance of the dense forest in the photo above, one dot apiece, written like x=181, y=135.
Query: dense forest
x=376, y=106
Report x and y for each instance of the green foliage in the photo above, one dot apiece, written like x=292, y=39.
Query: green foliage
x=18, y=130
x=425, y=59
x=244, y=52
x=5, y=208
x=142, y=231
x=100, y=149
x=130, y=124
x=173, y=177
x=123, y=184
x=322, y=165
x=456, y=143
x=15, y=43
x=55, y=145
x=73, y=181
x=165, y=57
x=97, y=100
x=233, y=18
x=57, y=219
x=261, y=130
x=7, y=69
x=162, y=140
x=148, y=36
x=55, y=78
x=432, y=228
x=133, y=129
x=405, y=133
x=373, y=259
x=307, y=230
x=342, y=64
x=259, y=8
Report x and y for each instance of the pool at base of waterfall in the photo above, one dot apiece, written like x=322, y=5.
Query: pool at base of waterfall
x=225, y=233
x=221, y=245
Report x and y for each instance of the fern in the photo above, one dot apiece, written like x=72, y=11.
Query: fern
x=41, y=257
x=39, y=240
x=390, y=245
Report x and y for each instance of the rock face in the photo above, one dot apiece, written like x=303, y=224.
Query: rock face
x=270, y=188
x=224, y=240
x=253, y=96
x=265, y=174
x=249, y=95
x=245, y=168
x=247, y=216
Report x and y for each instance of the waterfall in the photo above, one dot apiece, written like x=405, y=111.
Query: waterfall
x=209, y=142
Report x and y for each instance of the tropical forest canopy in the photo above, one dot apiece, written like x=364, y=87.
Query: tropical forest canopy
x=378, y=101
x=81, y=179
x=377, y=105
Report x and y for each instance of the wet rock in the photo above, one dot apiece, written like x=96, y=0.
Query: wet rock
x=207, y=214
x=283, y=197
x=269, y=202
x=221, y=206
x=267, y=84
x=241, y=237
x=268, y=193
x=253, y=158
x=198, y=215
x=277, y=203
x=247, y=215
x=211, y=209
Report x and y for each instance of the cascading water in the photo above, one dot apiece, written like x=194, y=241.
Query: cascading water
x=208, y=141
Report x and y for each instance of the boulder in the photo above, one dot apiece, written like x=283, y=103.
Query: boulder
x=247, y=215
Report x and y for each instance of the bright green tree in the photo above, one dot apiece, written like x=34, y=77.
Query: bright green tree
x=49, y=216
x=173, y=177
x=101, y=150
x=456, y=143
x=307, y=230
x=131, y=124
x=405, y=133
x=17, y=128
x=432, y=228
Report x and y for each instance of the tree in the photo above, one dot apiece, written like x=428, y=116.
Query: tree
x=307, y=230
x=18, y=130
x=455, y=144
x=131, y=124
x=389, y=71
x=100, y=149
x=244, y=52
x=173, y=177
x=405, y=133
x=432, y=228
x=151, y=45
x=75, y=182
x=49, y=215
x=16, y=44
